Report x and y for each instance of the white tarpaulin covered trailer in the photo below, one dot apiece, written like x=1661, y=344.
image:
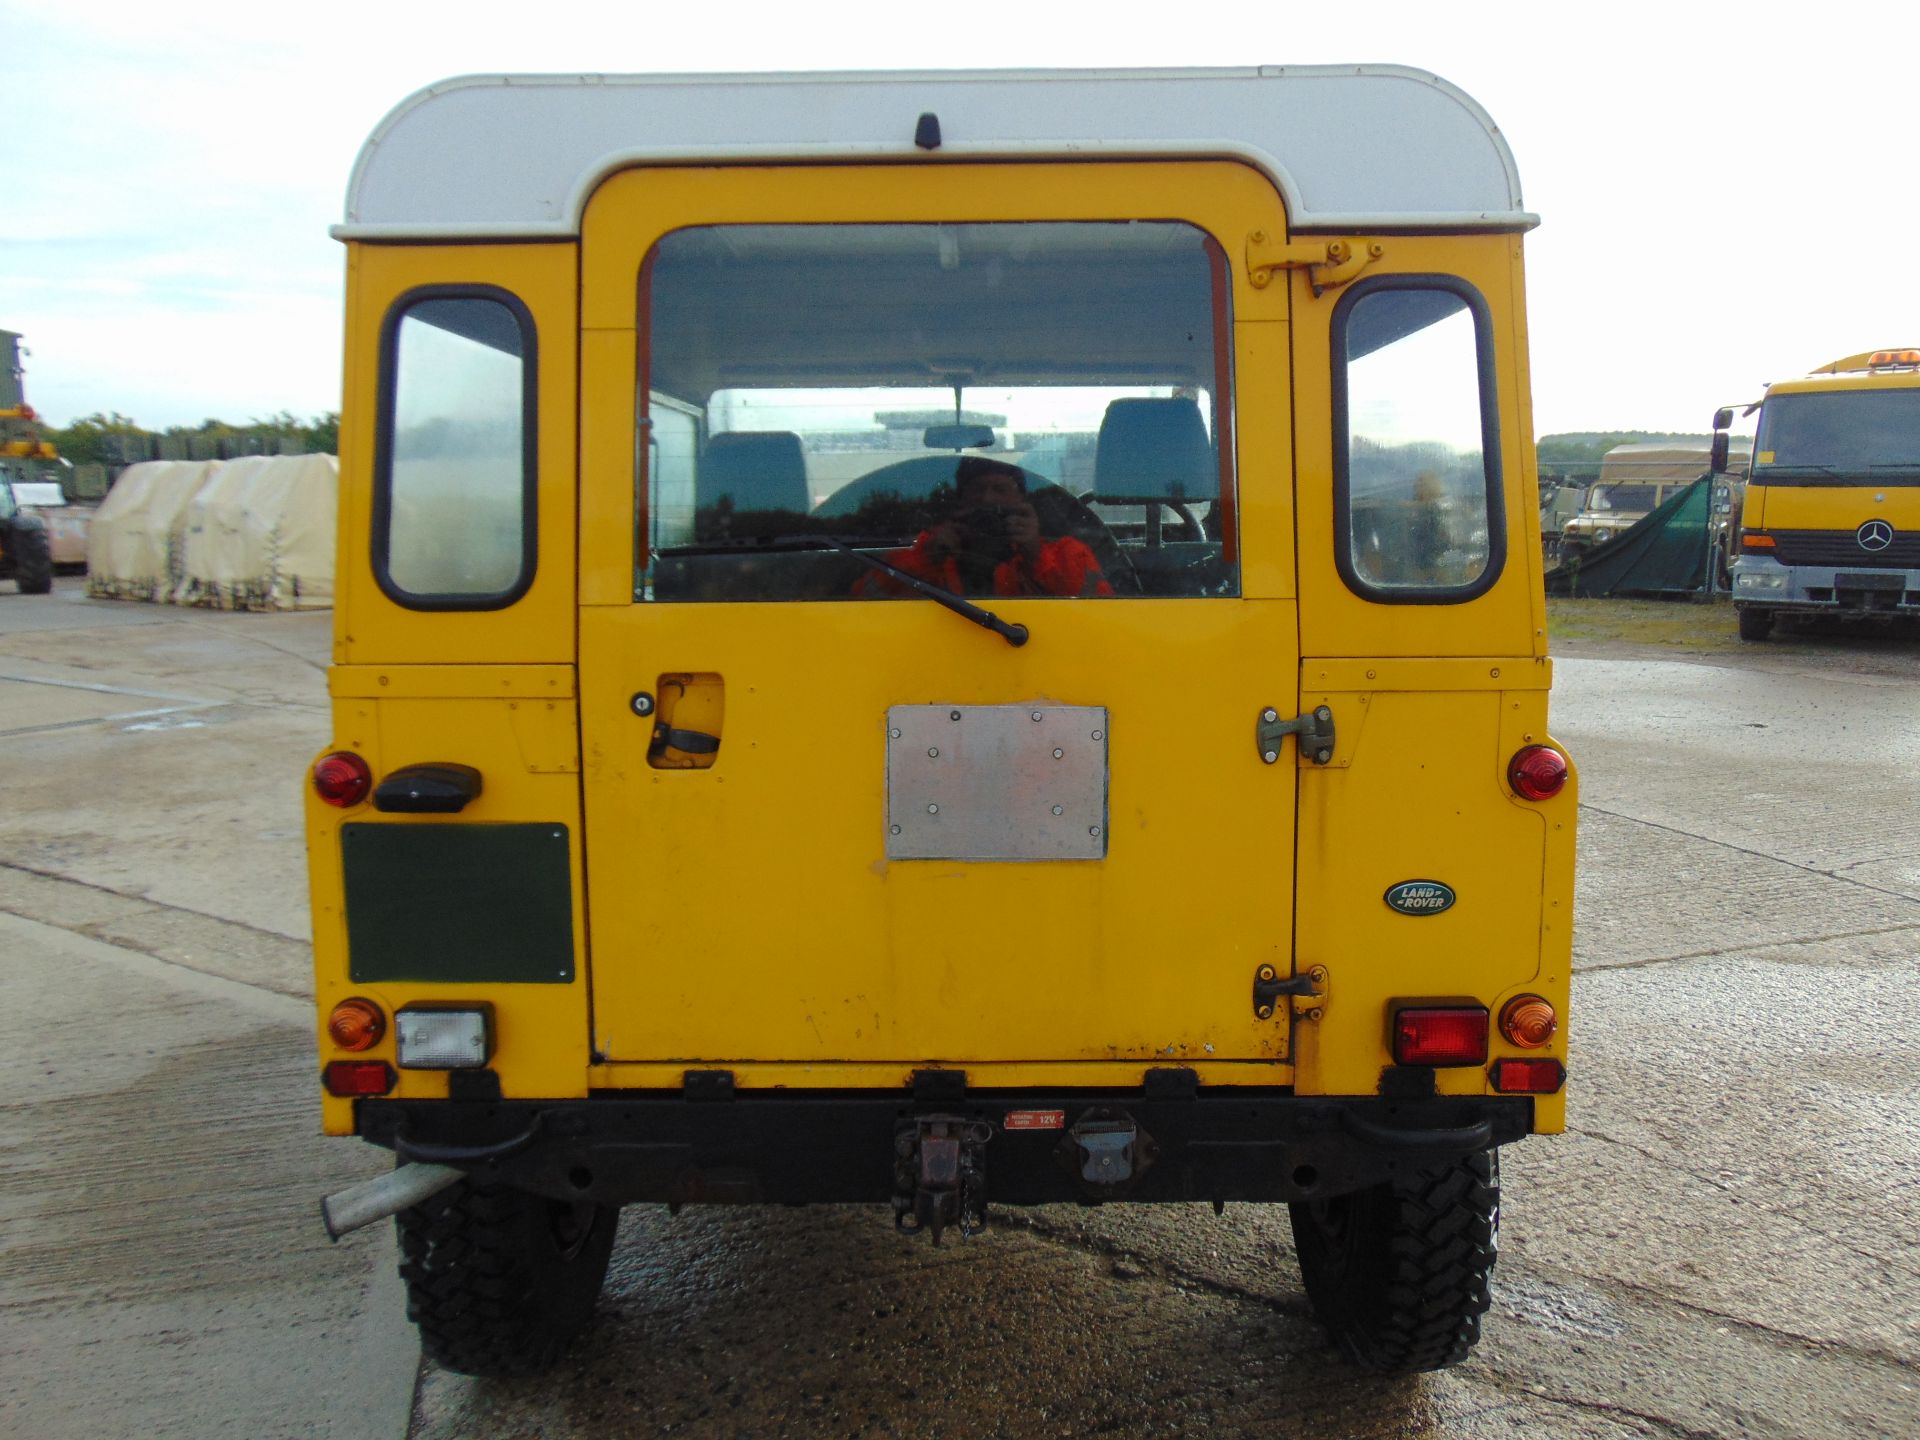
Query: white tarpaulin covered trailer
x=260, y=535
x=250, y=534
x=134, y=544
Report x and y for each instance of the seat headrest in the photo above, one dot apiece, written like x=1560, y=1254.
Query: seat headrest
x=1154, y=450
x=755, y=470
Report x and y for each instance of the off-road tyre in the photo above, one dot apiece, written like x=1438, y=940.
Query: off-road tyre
x=498, y=1280
x=1755, y=624
x=1400, y=1274
x=32, y=560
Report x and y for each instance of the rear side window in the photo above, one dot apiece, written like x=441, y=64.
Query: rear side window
x=1418, y=509
x=453, y=524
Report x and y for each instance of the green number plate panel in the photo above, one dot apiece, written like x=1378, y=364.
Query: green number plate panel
x=463, y=903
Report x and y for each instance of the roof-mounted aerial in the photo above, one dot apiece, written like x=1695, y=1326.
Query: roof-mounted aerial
x=1364, y=148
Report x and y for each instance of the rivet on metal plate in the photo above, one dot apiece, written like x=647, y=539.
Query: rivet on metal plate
x=933, y=752
x=1058, y=754
x=1059, y=810
x=953, y=715
x=894, y=733
x=1035, y=715
x=933, y=809
x=1098, y=735
x=1093, y=830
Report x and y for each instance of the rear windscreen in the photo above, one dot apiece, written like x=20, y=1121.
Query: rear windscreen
x=1027, y=409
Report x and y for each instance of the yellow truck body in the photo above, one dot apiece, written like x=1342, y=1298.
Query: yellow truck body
x=1831, y=520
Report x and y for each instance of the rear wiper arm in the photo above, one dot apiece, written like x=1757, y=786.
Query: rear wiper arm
x=1014, y=634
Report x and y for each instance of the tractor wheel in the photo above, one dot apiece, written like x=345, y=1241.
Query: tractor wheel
x=32, y=560
x=1755, y=624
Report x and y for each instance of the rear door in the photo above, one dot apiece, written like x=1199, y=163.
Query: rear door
x=830, y=820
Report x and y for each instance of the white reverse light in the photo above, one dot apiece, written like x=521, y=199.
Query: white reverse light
x=443, y=1039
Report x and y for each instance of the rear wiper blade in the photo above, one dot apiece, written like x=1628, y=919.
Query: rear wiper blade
x=1013, y=634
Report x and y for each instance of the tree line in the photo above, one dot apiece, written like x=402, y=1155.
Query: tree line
x=114, y=439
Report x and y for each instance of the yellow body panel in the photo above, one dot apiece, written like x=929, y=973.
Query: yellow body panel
x=743, y=914
x=1843, y=508
x=541, y=1029
x=811, y=947
x=1510, y=619
x=369, y=627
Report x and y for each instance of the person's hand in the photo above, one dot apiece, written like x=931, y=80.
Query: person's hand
x=1023, y=529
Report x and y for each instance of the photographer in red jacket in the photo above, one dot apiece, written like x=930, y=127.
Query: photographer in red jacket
x=991, y=544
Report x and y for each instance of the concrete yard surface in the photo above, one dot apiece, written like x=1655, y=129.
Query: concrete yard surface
x=1723, y=1245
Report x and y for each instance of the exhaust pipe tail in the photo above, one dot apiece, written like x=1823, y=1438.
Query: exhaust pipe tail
x=384, y=1195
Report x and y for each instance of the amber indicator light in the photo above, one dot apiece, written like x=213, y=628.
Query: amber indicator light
x=1528, y=1077
x=1454, y=1035
x=1528, y=1021
x=356, y=1024
x=349, y=1078
x=1757, y=540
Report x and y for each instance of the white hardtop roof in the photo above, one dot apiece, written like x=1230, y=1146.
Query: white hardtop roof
x=1351, y=148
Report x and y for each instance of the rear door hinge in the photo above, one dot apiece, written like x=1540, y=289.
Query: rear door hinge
x=1314, y=730
x=1328, y=263
x=1269, y=985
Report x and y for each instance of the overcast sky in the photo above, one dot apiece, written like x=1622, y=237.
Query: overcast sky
x=1727, y=192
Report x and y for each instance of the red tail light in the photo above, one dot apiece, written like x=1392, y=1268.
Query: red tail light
x=1538, y=772
x=342, y=778
x=1452, y=1036
x=346, y=1078
x=1528, y=1077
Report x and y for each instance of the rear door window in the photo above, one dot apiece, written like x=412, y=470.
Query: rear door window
x=1001, y=409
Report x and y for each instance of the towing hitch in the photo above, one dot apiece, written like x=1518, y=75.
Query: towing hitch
x=940, y=1176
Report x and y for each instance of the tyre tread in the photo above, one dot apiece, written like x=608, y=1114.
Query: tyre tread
x=1414, y=1302
x=472, y=1283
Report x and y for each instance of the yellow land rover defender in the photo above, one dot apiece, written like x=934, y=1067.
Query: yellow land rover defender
x=1831, y=520
x=934, y=640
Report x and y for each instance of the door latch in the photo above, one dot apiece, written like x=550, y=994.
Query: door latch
x=1314, y=729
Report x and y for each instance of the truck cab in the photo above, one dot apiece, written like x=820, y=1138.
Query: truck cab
x=1830, y=523
x=992, y=654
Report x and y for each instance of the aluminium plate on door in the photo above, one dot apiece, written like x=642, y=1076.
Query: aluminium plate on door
x=996, y=782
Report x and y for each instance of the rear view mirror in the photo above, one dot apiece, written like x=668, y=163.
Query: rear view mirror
x=958, y=437
x=1723, y=417
x=1718, y=462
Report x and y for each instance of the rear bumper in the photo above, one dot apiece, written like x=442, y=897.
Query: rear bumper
x=840, y=1147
